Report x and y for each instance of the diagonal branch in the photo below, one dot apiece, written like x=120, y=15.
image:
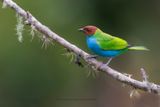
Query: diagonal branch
x=33, y=22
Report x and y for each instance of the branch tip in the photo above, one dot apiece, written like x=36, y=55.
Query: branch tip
x=144, y=75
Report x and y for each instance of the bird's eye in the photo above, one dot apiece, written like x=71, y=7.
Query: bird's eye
x=87, y=30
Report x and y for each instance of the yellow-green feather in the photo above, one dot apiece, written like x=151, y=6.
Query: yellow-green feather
x=108, y=42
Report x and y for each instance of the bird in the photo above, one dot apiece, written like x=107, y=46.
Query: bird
x=105, y=45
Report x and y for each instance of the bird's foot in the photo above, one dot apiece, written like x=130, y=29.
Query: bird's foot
x=91, y=56
x=104, y=64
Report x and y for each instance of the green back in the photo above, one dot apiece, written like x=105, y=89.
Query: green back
x=108, y=42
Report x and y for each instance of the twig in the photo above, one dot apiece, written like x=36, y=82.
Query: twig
x=32, y=21
x=144, y=75
x=145, y=79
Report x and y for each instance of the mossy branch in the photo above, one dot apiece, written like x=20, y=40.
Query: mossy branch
x=38, y=26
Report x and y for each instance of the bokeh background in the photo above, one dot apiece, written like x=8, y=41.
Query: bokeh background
x=31, y=76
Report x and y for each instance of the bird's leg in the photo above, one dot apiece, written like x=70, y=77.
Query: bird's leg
x=91, y=56
x=106, y=64
x=110, y=59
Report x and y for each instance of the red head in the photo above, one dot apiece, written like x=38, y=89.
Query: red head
x=88, y=30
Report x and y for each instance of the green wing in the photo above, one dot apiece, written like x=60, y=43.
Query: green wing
x=108, y=42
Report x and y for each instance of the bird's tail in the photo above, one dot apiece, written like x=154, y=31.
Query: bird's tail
x=138, y=48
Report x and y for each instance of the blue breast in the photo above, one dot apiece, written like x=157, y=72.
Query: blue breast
x=92, y=44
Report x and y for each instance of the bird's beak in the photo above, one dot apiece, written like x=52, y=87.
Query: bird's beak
x=81, y=29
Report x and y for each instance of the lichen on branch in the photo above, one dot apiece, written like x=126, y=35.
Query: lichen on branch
x=19, y=28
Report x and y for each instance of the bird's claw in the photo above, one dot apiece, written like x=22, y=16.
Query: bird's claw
x=102, y=65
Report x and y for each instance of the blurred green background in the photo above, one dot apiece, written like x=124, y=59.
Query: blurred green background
x=31, y=76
